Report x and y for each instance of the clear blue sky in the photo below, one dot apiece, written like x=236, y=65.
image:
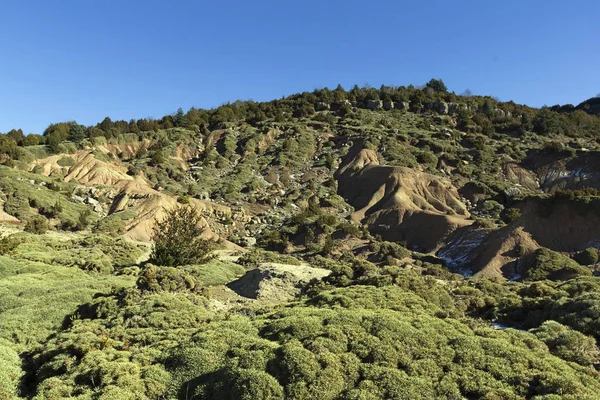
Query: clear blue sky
x=86, y=59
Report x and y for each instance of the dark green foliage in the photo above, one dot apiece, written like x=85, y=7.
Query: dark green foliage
x=568, y=344
x=547, y=122
x=8, y=146
x=8, y=244
x=169, y=279
x=588, y=256
x=157, y=158
x=548, y=264
x=55, y=134
x=76, y=133
x=83, y=220
x=178, y=239
x=511, y=215
x=481, y=114
x=36, y=224
x=255, y=257
x=437, y=85
x=385, y=249
x=180, y=119
x=427, y=157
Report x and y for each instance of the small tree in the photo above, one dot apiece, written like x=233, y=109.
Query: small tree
x=180, y=118
x=177, y=239
x=587, y=257
x=437, y=85
x=76, y=133
x=36, y=224
x=83, y=220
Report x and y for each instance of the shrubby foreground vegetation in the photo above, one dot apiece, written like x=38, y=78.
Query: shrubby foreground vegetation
x=366, y=331
x=87, y=312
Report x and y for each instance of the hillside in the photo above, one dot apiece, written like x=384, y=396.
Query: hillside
x=396, y=243
x=591, y=106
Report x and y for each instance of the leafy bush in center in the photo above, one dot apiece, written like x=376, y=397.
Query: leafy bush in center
x=178, y=239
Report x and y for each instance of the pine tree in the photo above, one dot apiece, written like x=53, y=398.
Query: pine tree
x=180, y=118
x=437, y=85
x=76, y=133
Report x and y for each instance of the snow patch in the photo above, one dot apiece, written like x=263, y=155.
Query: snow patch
x=457, y=253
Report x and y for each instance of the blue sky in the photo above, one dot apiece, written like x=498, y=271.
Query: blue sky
x=86, y=59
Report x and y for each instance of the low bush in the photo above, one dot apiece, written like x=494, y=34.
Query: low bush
x=255, y=257
x=168, y=279
x=548, y=264
x=36, y=224
x=587, y=257
x=66, y=162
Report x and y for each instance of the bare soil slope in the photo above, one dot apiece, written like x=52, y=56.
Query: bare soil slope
x=401, y=203
x=558, y=224
x=131, y=193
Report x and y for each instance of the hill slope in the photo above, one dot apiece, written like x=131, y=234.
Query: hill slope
x=370, y=243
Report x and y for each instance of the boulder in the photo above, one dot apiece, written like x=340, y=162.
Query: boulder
x=276, y=282
x=249, y=241
x=402, y=105
x=374, y=104
x=320, y=106
x=441, y=107
x=340, y=104
x=453, y=108
x=91, y=201
x=388, y=105
x=78, y=199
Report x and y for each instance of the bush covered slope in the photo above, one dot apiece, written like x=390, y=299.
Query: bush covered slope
x=391, y=243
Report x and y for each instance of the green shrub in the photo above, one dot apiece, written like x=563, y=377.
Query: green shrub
x=568, y=344
x=511, y=215
x=178, y=239
x=184, y=199
x=10, y=373
x=395, y=250
x=427, y=157
x=256, y=256
x=66, y=162
x=36, y=224
x=548, y=264
x=587, y=257
x=111, y=225
x=8, y=244
x=168, y=279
